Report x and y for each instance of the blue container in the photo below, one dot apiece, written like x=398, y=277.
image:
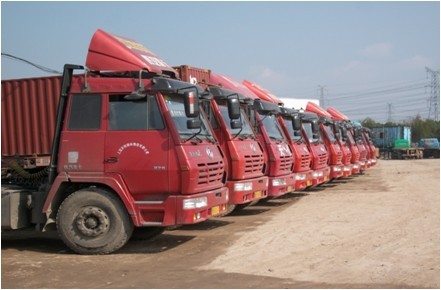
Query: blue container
x=385, y=136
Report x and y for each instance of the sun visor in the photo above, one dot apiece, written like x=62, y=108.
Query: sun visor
x=108, y=52
x=314, y=108
x=231, y=84
x=262, y=93
x=337, y=114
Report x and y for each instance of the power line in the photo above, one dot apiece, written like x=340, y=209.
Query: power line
x=43, y=68
x=434, y=93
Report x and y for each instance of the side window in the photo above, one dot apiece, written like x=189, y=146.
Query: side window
x=134, y=115
x=85, y=113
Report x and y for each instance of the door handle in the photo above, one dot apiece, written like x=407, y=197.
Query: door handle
x=111, y=160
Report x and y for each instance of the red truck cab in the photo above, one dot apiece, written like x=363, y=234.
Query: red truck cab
x=244, y=157
x=290, y=122
x=264, y=119
x=341, y=136
x=350, y=141
x=327, y=129
x=130, y=150
x=367, y=139
x=310, y=131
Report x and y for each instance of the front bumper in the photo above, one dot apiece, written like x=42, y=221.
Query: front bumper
x=258, y=190
x=281, y=185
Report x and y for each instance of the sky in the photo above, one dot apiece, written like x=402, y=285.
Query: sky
x=367, y=59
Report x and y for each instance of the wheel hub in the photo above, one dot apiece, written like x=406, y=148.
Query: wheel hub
x=92, y=221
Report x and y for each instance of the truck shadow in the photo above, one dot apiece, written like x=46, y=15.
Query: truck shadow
x=207, y=225
x=50, y=243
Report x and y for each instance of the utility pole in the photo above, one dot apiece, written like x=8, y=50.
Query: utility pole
x=389, y=113
x=434, y=93
x=322, y=95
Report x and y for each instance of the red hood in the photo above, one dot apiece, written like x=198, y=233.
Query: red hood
x=109, y=52
x=337, y=115
x=231, y=84
x=314, y=108
x=262, y=93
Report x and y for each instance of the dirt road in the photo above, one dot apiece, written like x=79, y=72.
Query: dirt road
x=378, y=230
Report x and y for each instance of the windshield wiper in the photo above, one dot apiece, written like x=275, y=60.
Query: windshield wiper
x=278, y=141
x=194, y=135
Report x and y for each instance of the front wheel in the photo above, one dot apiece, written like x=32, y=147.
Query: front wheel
x=93, y=221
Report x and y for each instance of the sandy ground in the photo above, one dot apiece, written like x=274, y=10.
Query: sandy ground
x=378, y=230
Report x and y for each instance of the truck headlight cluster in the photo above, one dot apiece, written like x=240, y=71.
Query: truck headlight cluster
x=192, y=203
x=300, y=176
x=243, y=186
x=279, y=181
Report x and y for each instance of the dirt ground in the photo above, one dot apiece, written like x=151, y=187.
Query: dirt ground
x=377, y=230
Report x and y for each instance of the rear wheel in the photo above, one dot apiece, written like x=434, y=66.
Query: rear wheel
x=93, y=221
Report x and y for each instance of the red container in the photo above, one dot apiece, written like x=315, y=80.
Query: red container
x=194, y=75
x=29, y=109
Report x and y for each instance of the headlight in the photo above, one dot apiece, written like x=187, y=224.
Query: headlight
x=243, y=186
x=361, y=163
x=347, y=168
x=337, y=168
x=356, y=166
x=192, y=203
x=300, y=176
x=315, y=175
x=320, y=173
x=279, y=181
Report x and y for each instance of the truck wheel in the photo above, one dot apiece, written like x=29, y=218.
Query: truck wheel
x=146, y=233
x=93, y=221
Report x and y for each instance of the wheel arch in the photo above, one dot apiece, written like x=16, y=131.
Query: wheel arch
x=65, y=186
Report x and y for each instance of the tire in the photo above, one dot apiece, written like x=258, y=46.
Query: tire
x=146, y=233
x=93, y=221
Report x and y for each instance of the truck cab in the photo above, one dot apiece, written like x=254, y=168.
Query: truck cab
x=291, y=124
x=342, y=139
x=264, y=119
x=350, y=141
x=244, y=157
x=327, y=129
x=131, y=150
x=311, y=134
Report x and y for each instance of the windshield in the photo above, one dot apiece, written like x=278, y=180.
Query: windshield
x=288, y=124
x=307, y=126
x=246, y=130
x=271, y=127
x=175, y=104
x=351, y=139
x=330, y=133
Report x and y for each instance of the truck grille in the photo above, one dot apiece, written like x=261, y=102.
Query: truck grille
x=348, y=158
x=253, y=164
x=339, y=157
x=210, y=173
x=286, y=163
x=322, y=159
x=305, y=161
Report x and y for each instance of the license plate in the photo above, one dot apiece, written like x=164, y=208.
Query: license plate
x=289, y=188
x=308, y=183
x=258, y=194
x=215, y=210
x=326, y=178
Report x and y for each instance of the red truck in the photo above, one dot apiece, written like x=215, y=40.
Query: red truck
x=290, y=122
x=357, y=147
x=264, y=119
x=121, y=149
x=327, y=129
x=244, y=157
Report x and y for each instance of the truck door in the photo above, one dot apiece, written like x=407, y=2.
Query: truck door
x=137, y=145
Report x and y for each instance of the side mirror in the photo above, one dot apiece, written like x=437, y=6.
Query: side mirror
x=315, y=127
x=235, y=124
x=194, y=124
x=191, y=104
x=344, y=133
x=296, y=123
x=233, y=108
